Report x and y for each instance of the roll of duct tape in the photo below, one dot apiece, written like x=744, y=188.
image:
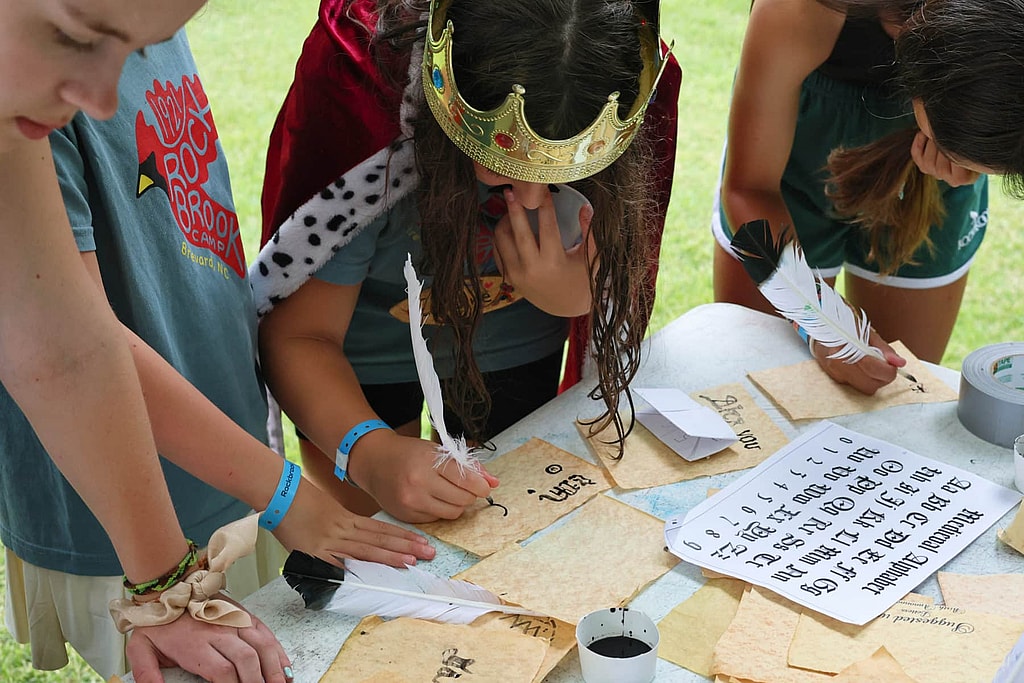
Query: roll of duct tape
x=991, y=402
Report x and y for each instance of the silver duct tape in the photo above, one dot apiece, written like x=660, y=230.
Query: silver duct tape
x=991, y=402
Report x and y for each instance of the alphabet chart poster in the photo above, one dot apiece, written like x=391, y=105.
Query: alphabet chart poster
x=840, y=522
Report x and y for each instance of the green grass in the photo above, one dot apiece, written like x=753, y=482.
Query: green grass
x=246, y=55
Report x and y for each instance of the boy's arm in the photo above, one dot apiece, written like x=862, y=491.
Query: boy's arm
x=64, y=360
x=196, y=435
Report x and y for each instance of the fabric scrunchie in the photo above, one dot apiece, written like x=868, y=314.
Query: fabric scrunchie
x=197, y=591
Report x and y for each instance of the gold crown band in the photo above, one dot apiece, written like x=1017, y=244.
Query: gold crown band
x=502, y=139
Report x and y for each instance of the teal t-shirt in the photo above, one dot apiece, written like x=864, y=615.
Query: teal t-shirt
x=149, y=192
x=378, y=344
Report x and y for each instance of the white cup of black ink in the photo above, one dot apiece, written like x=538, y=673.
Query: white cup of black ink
x=1018, y=463
x=617, y=645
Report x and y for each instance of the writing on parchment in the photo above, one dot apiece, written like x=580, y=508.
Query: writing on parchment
x=564, y=489
x=452, y=665
x=730, y=409
x=539, y=627
x=940, y=616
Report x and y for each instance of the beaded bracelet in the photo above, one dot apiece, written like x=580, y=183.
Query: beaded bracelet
x=283, y=496
x=172, y=577
x=345, y=447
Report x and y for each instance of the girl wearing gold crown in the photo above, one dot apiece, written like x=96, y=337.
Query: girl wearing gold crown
x=452, y=130
x=816, y=78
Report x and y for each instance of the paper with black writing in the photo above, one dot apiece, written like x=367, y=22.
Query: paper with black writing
x=539, y=484
x=931, y=643
x=839, y=522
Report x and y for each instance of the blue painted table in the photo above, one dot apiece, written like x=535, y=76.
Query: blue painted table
x=710, y=345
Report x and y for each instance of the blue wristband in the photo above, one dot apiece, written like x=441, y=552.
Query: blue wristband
x=803, y=333
x=345, y=447
x=283, y=496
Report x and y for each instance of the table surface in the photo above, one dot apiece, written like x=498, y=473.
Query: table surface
x=708, y=346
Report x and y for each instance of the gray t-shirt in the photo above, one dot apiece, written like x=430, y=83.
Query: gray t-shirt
x=149, y=191
x=378, y=344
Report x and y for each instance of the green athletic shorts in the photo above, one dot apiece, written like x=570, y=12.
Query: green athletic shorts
x=832, y=114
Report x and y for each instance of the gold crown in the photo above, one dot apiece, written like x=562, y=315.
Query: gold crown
x=503, y=141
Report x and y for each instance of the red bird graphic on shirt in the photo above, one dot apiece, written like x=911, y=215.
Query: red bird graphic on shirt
x=175, y=155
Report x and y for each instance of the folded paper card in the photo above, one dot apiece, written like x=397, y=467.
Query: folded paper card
x=647, y=462
x=690, y=429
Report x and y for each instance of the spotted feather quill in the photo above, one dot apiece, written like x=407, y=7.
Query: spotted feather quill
x=800, y=294
x=365, y=588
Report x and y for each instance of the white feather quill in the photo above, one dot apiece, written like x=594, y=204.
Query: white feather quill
x=800, y=294
x=451, y=448
x=365, y=588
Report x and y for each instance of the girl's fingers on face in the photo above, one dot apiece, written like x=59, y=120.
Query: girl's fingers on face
x=519, y=222
x=549, y=233
x=516, y=211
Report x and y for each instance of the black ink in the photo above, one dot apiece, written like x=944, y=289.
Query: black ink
x=491, y=503
x=451, y=658
x=545, y=628
x=620, y=647
x=450, y=661
x=565, y=488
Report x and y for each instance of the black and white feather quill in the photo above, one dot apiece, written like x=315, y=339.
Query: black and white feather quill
x=800, y=294
x=367, y=588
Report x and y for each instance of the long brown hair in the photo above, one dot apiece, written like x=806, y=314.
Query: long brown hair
x=879, y=187
x=569, y=55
